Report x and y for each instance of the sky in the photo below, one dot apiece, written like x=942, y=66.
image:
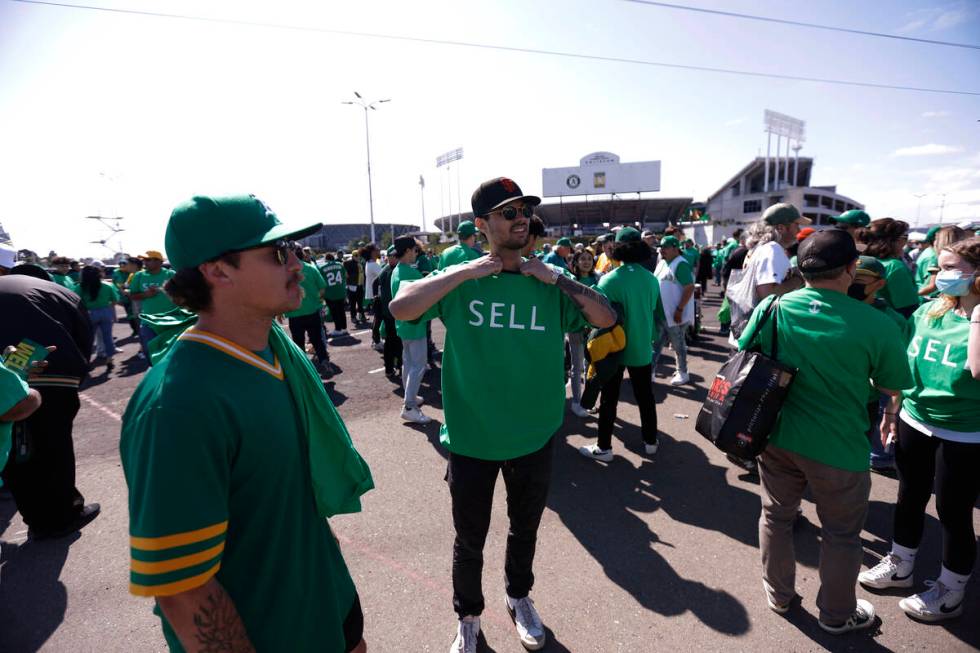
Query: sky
x=115, y=114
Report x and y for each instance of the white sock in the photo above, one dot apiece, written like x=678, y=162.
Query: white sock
x=906, y=554
x=955, y=582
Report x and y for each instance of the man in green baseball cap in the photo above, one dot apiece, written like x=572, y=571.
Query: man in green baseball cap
x=559, y=254
x=926, y=260
x=464, y=250
x=853, y=222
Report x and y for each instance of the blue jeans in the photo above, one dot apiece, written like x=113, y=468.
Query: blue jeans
x=102, y=320
x=676, y=336
x=881, y=456
x=413, y=368
x=146, y=335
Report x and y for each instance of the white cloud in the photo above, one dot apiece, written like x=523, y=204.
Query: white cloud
x=936, y=114
x=734, y=122
x=937, y=19
x=927, y=150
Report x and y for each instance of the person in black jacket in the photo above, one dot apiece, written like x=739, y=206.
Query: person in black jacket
x=41, y=470
x=392, y=351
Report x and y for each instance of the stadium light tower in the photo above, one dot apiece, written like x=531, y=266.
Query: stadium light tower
x=364, y=104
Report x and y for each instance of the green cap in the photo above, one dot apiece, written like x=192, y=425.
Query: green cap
x=872, y=266
x=931, y=234
x=466, y=229
x=564, y=242
x=627, y=235
x=784, y=213
x=204, y=228
x=670, y=241
x=390, y=251
x=854, y=218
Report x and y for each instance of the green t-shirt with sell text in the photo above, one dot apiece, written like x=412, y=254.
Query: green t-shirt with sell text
x=945, y=393
x=503, y=372
x=406, y=330
x=158, y=303
x=107, y=296
x=837, y=343
x=335, y=277
x=458, y=253
x=13, y=390
x=900, y=290
x=218, y=474
x=312, y=284
x=638, y=291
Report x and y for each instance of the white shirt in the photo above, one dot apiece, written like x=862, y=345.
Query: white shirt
x=371, y=271
x=768, y=263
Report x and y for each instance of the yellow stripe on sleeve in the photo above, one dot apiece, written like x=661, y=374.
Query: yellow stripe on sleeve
x=169, y=589
x=179, y=539
x=142, y=567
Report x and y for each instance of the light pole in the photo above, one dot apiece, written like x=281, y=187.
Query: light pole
x=918, y=210
x=364, y=104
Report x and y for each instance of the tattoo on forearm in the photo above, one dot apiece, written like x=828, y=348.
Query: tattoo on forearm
x=580, y=293
x=220, y=628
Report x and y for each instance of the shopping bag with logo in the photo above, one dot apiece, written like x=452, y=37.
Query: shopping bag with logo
x=746, y=396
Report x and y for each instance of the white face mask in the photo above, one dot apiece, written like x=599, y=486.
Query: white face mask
x=955, y=282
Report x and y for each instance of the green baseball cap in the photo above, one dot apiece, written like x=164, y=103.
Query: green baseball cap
x=931, y=234
x=204, y=228
x=854, y=218
x=784, y=213
x=466, y=229
x=670, y=241
x=390, y=251
x=627, y=235
x=564, y=242
x=871, y=266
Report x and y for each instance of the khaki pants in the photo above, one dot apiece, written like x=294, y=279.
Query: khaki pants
x=841, y=497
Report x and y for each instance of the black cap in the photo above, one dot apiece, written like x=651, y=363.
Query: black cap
x=495, y=193
x=826, y=250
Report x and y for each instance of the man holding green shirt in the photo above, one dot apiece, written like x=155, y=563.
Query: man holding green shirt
x=146, y=287
x=412, y=333
x=306, y=321
x=819, y=439
x=504, y=315
x=464, y=250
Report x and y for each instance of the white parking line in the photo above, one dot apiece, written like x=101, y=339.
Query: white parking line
x=380, y=369
x=92, y=402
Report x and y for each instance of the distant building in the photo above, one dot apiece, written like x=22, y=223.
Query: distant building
x=339, y=236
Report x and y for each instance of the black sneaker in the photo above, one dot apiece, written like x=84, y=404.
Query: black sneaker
x=863, y=617
x=88, y=513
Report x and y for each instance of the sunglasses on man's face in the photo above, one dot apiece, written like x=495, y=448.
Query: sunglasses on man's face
x=510, y=212
x=280, y=249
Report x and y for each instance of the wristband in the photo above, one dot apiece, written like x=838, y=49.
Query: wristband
x=887, y=413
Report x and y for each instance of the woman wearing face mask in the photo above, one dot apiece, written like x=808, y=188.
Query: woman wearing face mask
x=938, y=427
x=885, y=239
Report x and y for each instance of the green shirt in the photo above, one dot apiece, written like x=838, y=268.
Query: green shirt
x=406, y=330
x=684, y=273
x=900, y=290
x=556, y=259
x=927, y=259
x=638, y=291
x=691, y=255
x=424, y=264
x=312, y=284
x=335, y=277
x=158, y=303
x=119, y=277
x=458, y=253
x=64, y=281
x=219, y=486
x=591, y=280
x=108, y=295
x=837, y=343
x=945, y=393
x=503, y=372
x=901, y=322
x=13, y=390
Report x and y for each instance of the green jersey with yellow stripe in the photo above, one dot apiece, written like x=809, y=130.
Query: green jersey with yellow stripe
x=219, y=485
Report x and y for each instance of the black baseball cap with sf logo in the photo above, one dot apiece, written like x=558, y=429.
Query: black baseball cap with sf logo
x=495, y=193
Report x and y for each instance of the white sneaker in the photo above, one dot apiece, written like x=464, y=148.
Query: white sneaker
x=935, y=604
x=651, y=448
x=892, y=571
x=595, y=453
x=680, y=379
x=577, y=409
x=527, y=622
x=467, y=635
x=415, y=415
x=863, y=617
x=419, y=400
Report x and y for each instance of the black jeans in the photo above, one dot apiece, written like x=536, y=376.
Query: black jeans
x=393, y=347
x=355, y=302
x=471, y=483
x=642, y=392
x=43, y=485
x=309, y=326
x=924, y=461
x=336, y=307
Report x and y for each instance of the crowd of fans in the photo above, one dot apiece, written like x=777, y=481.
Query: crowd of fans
x=884, y=333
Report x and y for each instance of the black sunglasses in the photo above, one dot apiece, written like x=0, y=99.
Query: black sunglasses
x=510, y=212
x=280, y=248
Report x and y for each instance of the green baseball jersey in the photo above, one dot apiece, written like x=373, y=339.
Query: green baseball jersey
x=638, y=291
x=927, y=259
x=218, y=473
x=825, y=416
x=458, y=253
x=64, y=281
x=335, y=277
x=143, y=281
x=900, y=290
x=945, y=393
x=312, y=284
x=13, y=390
x=406, y=330
x=503, y=373
x=107, y=296
x=424, y=264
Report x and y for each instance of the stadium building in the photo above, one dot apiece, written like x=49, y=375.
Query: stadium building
x=340, y=236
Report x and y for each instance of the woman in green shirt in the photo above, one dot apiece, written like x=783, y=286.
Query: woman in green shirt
x=100, y=298
x=885, y=239
x=937, y=423
x=583, y=263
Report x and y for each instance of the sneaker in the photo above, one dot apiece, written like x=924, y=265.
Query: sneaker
x=892, y=571
x=415, y=415
x=577, y=410
x=378, y=347
x=594, y=410
x=651, y=448
x=527, y=622
x=88, y=512
x=935, y=604
x=419, y=400
x=863, y=617
x=679, y=379
x=467, y=634
x=325, y=368
x=776, y=607
x=595, y=453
